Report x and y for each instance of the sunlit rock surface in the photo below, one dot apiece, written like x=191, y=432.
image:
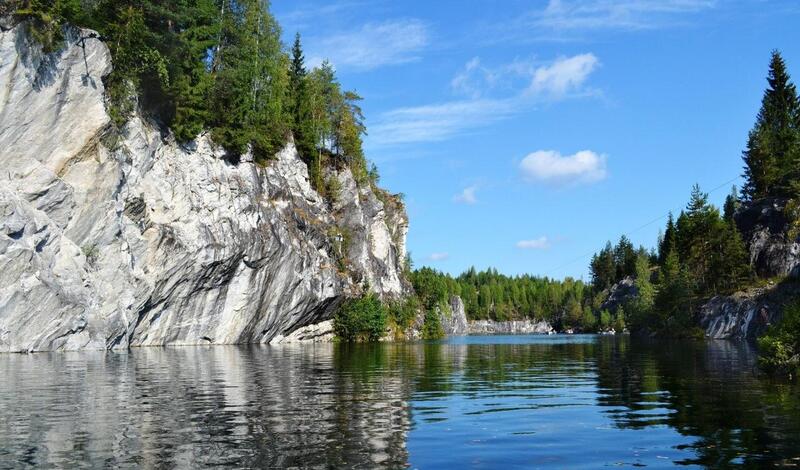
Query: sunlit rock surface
x=490, y=327
x=746, y=315
x=116, y=241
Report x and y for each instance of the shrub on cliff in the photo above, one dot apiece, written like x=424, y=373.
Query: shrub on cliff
x=361, y=319
x=780, y=346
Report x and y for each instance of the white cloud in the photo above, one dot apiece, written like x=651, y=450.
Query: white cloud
x=564, y=75
x=574, y=15
x=439, y=256
x=473, y=79
x=437, y=122
x=549, y=166
x=541, y=243
x=467, y=196
x=373, y=45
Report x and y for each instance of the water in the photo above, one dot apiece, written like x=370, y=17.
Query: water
x=480, y=402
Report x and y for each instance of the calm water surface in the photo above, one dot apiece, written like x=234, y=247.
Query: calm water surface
x=473, y=402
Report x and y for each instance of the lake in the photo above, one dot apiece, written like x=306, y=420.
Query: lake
x=579, y=401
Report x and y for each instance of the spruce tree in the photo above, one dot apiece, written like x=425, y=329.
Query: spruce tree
x=302, y=121
x=668, y=241
x=731, y=204
x=772, y=156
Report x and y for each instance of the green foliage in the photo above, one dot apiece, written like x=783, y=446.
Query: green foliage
x=490, y=295
x=218, y=65
x=403, y=312
x=773, y=146
x=605, y=320
x=588, y=320
x=91, y=252
x=641, y=308
x=780, y=346
x=619, y=320
x=361, y=319
x=432, y=324
x=614, y=263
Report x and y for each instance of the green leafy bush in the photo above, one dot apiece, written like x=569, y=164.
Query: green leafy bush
x=780, y=346
x=361, y=319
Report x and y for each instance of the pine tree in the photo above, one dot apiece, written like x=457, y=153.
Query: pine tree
x=772, y=156
x=731, y=204
x=668, y=241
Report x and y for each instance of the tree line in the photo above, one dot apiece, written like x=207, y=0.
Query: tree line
x=217, y=66
x=701, y=253
x=567, y=304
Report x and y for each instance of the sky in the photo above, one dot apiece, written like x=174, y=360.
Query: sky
x=525, y=134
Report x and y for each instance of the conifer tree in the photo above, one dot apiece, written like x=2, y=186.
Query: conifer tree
x=772, y=155
x=668, y=241
x=302, y=121
x=731, y=204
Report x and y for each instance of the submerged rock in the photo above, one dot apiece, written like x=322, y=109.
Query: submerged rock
x=115, y=240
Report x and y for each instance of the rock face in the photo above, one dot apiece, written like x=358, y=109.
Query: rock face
x=489, y=327
x=619, y=294
x=135, y=240
x=764, y=226
x=746, y=315
x=455, y=324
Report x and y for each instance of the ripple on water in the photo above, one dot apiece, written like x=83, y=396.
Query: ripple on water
x=527, y=401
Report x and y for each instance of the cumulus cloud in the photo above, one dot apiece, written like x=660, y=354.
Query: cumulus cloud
x=541, y=243
x=564, y=75
x=467, y=196
x=373, y=45
x=439, y=256
x=549, y=166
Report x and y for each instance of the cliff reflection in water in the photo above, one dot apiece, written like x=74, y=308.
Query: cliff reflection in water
x=189, y=407
x=471, y=402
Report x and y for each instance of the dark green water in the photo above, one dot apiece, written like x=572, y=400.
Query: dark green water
x=475, y=402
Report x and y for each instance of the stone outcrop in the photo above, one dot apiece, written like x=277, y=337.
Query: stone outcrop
x=747, y=314
x=619, y=294
x=454, y=322
x=765, y=227
x=490, y=327
x=111, y=239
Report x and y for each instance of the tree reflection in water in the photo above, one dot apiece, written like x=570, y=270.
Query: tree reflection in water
x=478, y=401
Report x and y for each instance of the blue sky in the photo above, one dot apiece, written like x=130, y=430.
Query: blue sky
x=525, y=134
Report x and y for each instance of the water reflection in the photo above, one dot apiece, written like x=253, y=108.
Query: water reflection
x=190, y=407
x=580, y=401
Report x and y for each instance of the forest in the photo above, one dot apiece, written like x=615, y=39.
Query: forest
x=699, y=254
x=215, y=66
x=219, y=66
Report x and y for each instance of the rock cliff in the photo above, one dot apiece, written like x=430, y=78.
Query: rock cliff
x=490, y=327
x=111, y=239
x=765, y=229
x=746, y=314
x=454, y=323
